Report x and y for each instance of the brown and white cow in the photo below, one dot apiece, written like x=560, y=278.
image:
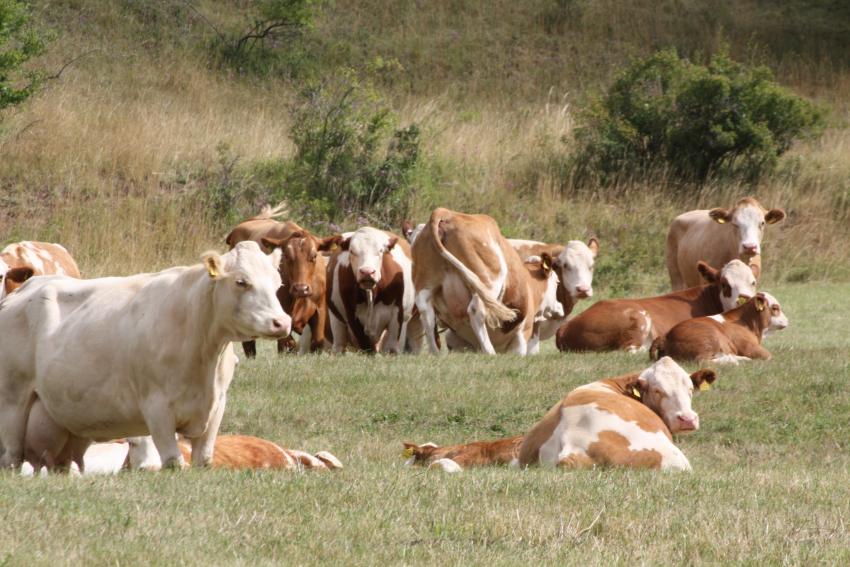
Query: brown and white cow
x=632, y=324
x=23, y=260
x=468, y=275
x=573, y=263
x=302, y=271
x=370, y=291
x=730, y=337
x=717, y=236
x=624, y=421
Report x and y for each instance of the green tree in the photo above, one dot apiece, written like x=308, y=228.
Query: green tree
x=19, y=43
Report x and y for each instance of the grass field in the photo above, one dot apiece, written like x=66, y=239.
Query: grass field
x=771, y=479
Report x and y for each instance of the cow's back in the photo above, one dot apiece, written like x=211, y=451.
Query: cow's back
x=257, y=229
x=694, y=237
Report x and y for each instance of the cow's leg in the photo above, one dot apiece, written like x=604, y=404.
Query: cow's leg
x=394, y=335
x=429, y=319
x=305, y=340
x=476, y=310
x=204, y=446
x=45, y=440
x=163, y=429
x=340, y=333
x=250, y=349
x=533, y=346
x=14, y=410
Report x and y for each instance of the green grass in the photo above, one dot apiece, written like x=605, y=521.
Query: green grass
x=771, y=479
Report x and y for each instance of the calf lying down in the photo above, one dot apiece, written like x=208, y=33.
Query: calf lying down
x=731, y=337
x=235, y=452
x=624, y=421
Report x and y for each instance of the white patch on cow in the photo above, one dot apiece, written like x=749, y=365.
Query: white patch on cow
x=646, y=333
x=576, y=266
x=447, y=465
x=718, y=318
x=29, y=253
x=749, y=220
x=667, y=391
x=142, y=454
x=329, y=460
x=581, y=426
x=497, y=288
x=366, y=249
x=729, y=359
x=741, y=280
x=105, y=458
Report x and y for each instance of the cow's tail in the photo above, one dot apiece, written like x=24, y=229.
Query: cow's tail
x=656, y=349
x=269, y=212
x=496, y=312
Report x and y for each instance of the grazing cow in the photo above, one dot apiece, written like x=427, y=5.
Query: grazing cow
x=23, y=260
x=625, y=421
x=467, y=274
x=370, y=291
x=730, y=337
x=632, y=324
x=573, y=263
x=302, y=271
x=455, y=458
x=149, y=354
x=717, y=236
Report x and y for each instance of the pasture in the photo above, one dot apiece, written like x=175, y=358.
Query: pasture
x=771, y=479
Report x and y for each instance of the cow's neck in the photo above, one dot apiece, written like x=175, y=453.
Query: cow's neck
x=746, y=316
x=203, y=331
x=707, y=296
x=565, y=299
x=626, y=385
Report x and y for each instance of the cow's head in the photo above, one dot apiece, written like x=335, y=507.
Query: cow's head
x=245, y=292
x=773, y=318
x=301, y=257
x=543, y=268
x=366, y=249
x=574, y=266
x=735, y=282
x=747, y=218
x=667, y=390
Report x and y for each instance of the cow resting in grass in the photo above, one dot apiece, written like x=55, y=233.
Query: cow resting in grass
x=632, y=324
x=22, y=260
x=717, y=236
x=469, y=277
x=130, y=356
x=730, y=337
x=573, y=263
x=624, y=421
x=370, y=291
x=302, y=270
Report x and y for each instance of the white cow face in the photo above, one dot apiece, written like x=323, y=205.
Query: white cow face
x=142, y=454
x=736, y=279
x=366, y=249
x=748, y=218
x=550, y=307
x=575, y=267
x=667, y=390
x=778, y=320
x=247, y=281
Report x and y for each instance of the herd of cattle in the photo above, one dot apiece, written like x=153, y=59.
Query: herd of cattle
x=147, y=359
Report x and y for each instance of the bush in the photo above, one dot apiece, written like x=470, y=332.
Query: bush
x=350, y=159
x=18, y=44
x=693, y=121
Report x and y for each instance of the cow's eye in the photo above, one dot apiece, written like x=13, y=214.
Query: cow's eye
x=761, y=224
x=242, y=282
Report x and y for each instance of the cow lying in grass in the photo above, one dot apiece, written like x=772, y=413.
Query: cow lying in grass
x=624, y=421
x=632, y=324
x=731, y=337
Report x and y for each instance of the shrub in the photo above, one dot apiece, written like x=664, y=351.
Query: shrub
x=693, y=121
x=350, y=159
x=18, y=44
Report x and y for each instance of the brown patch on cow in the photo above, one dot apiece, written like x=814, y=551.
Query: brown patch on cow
x=612, y=449
x=475, y=454
x=239, y=452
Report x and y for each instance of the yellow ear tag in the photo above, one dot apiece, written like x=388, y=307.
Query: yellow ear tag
x=408, y=452
x=211, y=269
x=720, y=220
x=759, y=305
x=546, y=265
x=704, y=386
x=636, y=393
x=742, y=300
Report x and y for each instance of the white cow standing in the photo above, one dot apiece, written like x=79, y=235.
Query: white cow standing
x=116, y=357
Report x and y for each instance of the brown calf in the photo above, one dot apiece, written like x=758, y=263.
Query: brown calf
x=22, y=260
x=731, y=337
x=454, y=458
x=631, y=324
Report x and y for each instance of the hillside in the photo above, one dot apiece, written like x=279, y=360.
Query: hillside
x=146, y=149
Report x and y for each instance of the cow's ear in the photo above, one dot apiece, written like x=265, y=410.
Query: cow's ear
x=774, y=216
x=344, y=243
x=546, y=263
x=708, y=273
x=391, y=244
x=326, y=244
x=720, y=216
x=760, y=302
x=593, y=244
x=20, y=275
x=213, y=264
x=406, y=228
x=703, y=377
x=271, y=243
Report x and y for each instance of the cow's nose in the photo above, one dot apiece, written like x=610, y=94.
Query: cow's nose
x=301, y=289
x=584, y=291
x=751, y=248
x=278, y=324
x=687, y=421
x=367, y=271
